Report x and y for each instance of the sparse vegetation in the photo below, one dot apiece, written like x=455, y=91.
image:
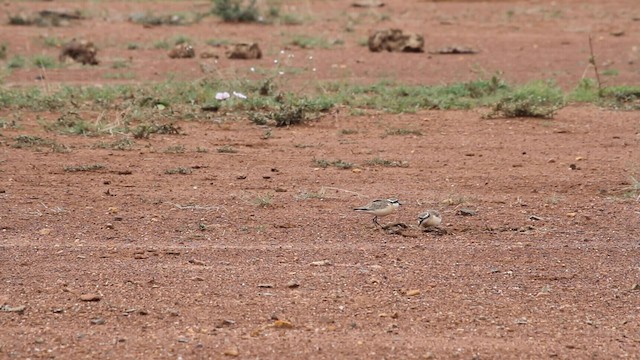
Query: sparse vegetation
x=143, y=131
x=3, y=50
x=44, y=61
x=265, y=200
x=340, y=164
x=348, y=132
x=227, y=149
x=378, y=161
x=82, y=168
x=175, y=149
x=120, y=144
x=539, y=99
x=179, y=170
x=52, y=41
x=313, y=42
x=16, y=62
x=402, y=132
x=236, y=10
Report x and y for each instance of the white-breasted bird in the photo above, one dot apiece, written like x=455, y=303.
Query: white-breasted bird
x=379, y=208
x=429, y=218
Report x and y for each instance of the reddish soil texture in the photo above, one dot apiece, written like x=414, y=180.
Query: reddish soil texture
x=258, y=253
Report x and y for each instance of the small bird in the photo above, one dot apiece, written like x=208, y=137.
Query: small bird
x=429, y=218
x=379, y=208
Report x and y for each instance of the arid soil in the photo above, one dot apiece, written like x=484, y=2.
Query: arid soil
x=258, y=254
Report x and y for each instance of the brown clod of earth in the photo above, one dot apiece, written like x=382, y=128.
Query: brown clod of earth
x=395, y=40
x=182, y=51
x=81, y=51
x=244, y=51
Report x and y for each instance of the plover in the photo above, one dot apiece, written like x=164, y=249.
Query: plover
x=429, y=218
x=379, y=208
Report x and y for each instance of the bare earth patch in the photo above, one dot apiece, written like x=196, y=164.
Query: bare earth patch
x=220, y=241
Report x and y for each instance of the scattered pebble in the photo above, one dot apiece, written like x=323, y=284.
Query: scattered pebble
x=16, y=309
x=197, y=262
x=635, y=287
x=413, y=292
x=90, y=297
x=321, y=263
x=232, y=351
x=535, y=218
x=293, y=284
x=266, y=286
x=467, y=212
x=98, y=321
x=282, y=324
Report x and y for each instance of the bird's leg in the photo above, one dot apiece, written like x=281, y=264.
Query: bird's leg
x=375, y=221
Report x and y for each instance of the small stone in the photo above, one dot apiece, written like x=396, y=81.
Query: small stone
x=98, y=321
x=321, y=263
x=467, y=212
x=282, y=324
x=535, y=218
x=521, y=321
x=266, y=286
x=108, y=225
x=173, y=312
x=551, y=161
x=232, y=351
x=413, y=292
x=197, y=278
x=197, y=262
x=572, y=214
x=635, y=287
x=90, y=297
x=225, y=322
x=183, y=339
x=293, y=284
x=356, y=170
x=140, y=256
x=579, y=158
x=45, y=231
x=15, y=309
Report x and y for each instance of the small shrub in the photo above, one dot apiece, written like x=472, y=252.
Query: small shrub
x=378, y=161
x=3, y=51
x=143, y=131
x=236, y=10
x=44, y=61
x=226, y=150
x=16, y=62
x=121, y=144
x=263, y=200
x=340, y=164
x=539, y=99
x=175, y=149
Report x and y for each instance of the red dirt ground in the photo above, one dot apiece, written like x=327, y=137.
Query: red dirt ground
x=190, y=266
